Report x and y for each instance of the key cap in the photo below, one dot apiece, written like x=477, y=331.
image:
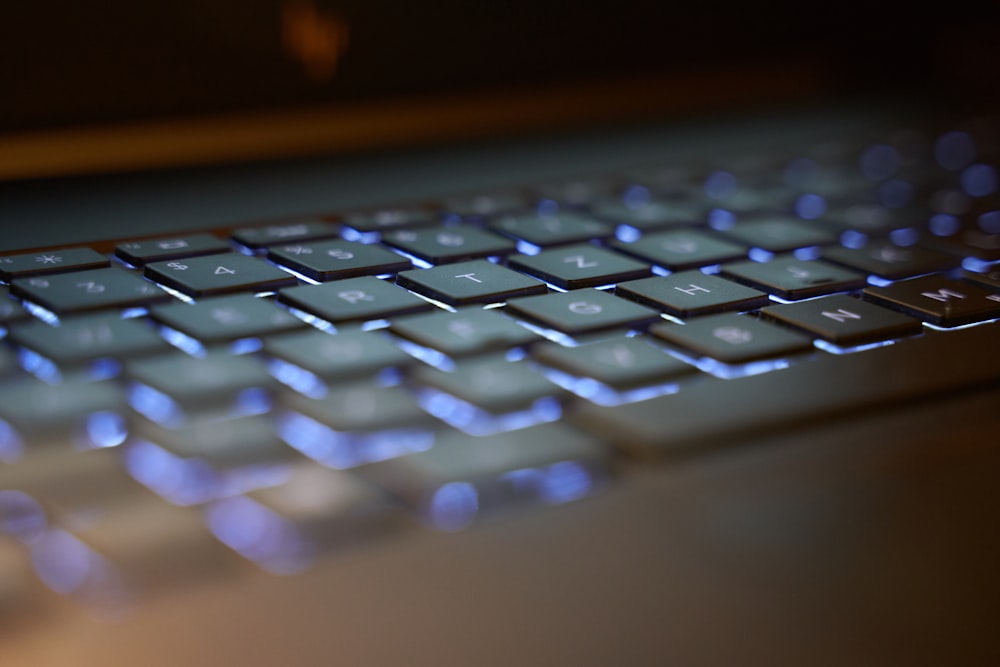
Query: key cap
x=219, y=274
x=580, y=265
x=78, y=413
x=449, y=244
x=890, y=261
x=50, y=261
x=620, y=363
x=779, y=234
x=221, y=443
x=493, y=384
x=89, y=290
x=547, y=230
x=171, y=388
x=486, y=205
x=717, y=412
x=341, y=356
x=682, y=249
x=138, y=253
x=383, y=220
x=653, y=215
x=83, y=339
x=465, y=332
x=844, y=320
x=691, y=293
x=284, y=528
x=790, y=278
x=463, y=283
x=990, y=279
x=257, y=238
x=460, y=478
x=334, y=260
x=354, y=299
x=580, y=312
x=362, y=407
x=939, y=300
x=227, y=318
x=733, y=339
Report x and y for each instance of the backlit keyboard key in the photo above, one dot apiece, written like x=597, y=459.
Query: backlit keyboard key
x=449, y=244
x=939, y=300
x=682, y=249
x=225, y=319
x=889, y=261
x=219, y=274
x=478, y=281
x=138, y=253
x=335, y=357
x=50, y=261
x=733, y=339
x=353, y=300
x=289, y=232
x=843, y=320
x=580, y=265
x=493, y=384
x=791, y=278
x=691, y=293
x=84, y=291
x=335, y=260
x=83, y=339
x=467, y=331
x=582, y=311
x=556, y=229
x=619, y=363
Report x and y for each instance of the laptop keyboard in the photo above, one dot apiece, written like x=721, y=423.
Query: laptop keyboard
x=267, y=394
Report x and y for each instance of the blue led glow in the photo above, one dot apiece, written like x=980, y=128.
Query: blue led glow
x=937, y=327
x=515, y=354
x=989, y=222
x=564, y=482
x=720, y=219
x=11, y=444
x=106, y=429
x=944, y=225
x=342, y=450
x=182, y=341
x=21, y=516
x=808, y=253
x=879, y=282
x=978, y=265
x=253, y=401
x=954, y=150
x=602, y=394
x=155, y=405
x=132, y=313
x=760, y=255
x=62, y=561
x=176, y=294
x=245, y=345
x=895, y=193
x=555, y=336
x=374, y=325
x=810, y=206
x=44, y=314
x=979, y=180
x=476, y=421
x=853, y=239
x=388, y=377
x=547, y=207
x=879, y=162
x=528, y=248
x=837, y=349
x=351, y=234
x=41, y=367
x=301, y=276
x=731, y=371
x=104, y=369
x=720, y=184
x=905, y=236
x=417, y=262
x=453, y=506
x=297, y=378
x=259, y=534
x=658, y=270
x=627, y=233
x=312, y=320
x=178, y=481
x=636, y=196
x=427, y=355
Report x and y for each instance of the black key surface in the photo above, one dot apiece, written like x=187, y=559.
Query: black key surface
x=733, y=339
x=89, y=290
x=200, y=383
x=288, y=232
x=780, y=234
x=88, y=337
x=718, y=411
x=620, y=363
x=580, y=265
x=583, y=311
x=939, y=300
x=50, y=261
x=227, y=318
x=138, y=253
x=464, y=332
x=449, y=243
x=890, y=261
x=477, y=281
x=346, y=354
x=334, y=260
x=219, y=274
x=354, y=299
x=557, y=229
x=791, y=278
x=682, y=249
x=690, y=293
x=844, y=320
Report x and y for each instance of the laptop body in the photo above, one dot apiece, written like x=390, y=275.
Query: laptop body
x=860, y=535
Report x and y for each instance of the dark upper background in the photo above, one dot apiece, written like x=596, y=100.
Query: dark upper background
x=64, y=63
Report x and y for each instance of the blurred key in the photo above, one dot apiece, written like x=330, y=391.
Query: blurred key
x=890, y=261
x=779, y=234
x=652, y=215
x=50, y=261
x=364, y=223
x=791, y=278
x=89, y=290
x=939, y=300
x=461, y=477
x=449, y=244
x=138, y=253
x=493, y=384
x=682, y=249
x=17, y=590
x=267, y=235
x=10, y=310
x=547, y=230
x=221, y=443
x=284, y=528
x=464, y=332
x=331, y=357
x=618, y=363
x=225, y=319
